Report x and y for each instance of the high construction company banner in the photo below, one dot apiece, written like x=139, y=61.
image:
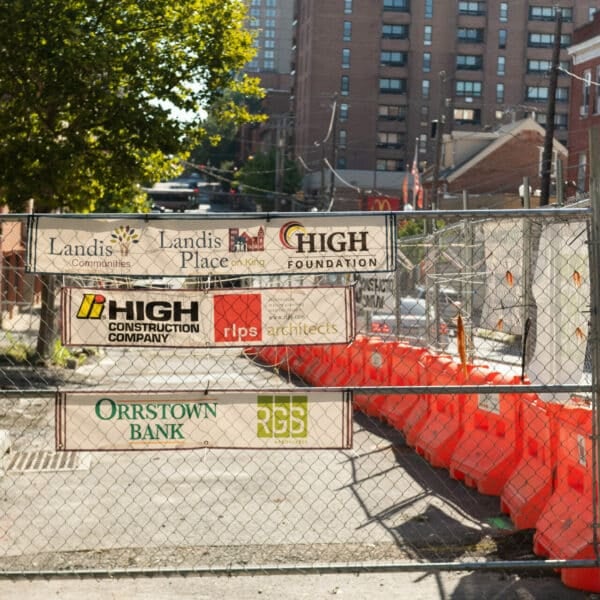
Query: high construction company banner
x=230, y=419
x=212, y=318
x=196, y=245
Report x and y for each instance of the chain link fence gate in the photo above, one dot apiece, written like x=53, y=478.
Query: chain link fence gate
x=473, y=433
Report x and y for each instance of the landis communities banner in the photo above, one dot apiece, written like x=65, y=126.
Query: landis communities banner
x=212, y=318
x=296, y=418
x=195, y=245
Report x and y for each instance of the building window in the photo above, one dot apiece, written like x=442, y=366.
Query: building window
x=269, y=64
x=586, y=88
x=503, y=12
x=471, y=8
x=347, y=31
x=341, y=162
x=539, y=66
x=348, y=7
x=562, y=94
x=387, y=164
x=469, y=62
x=395, y=32
x=399, y=5
x=388, y=139
x=343, y=112
x=345, y=58
x=342, y=138
x=425, y=87
x=499, y=92
x=428, y=9
x=468, y=88
x=467, y=116
x=389, y=85
x=424, y=114
x=502, y=38
x=393, y=59
x=422, y=144
x=271, y=12
x=546, y=40
x=591, y=13
x=426, y=62
x=427, y=35
x=540, y=93
x=470, y=35
x=392, y=112
x=548, y=13
x=345, y=85
x=501, y=66
x=536, y=93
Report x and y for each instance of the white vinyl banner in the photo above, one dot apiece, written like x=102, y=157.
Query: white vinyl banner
x=184, y=420
x=212, y=318
x=194, y=246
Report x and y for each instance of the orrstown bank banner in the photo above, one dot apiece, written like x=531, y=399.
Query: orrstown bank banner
x=212, y=318
x=197, y=246
x=230, y=419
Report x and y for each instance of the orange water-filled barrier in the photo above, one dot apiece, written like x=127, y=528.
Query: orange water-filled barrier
x=444, y=426
x=531, y=484
x=565, y=528
x=491, y=445
x=406, y=368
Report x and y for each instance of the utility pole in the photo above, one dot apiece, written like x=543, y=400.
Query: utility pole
x=334, y=150
x=439, y=138
x=550, y=112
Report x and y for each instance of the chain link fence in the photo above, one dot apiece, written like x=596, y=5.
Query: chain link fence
x=473, y=425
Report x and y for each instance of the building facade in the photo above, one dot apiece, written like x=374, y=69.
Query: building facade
x=272, y=24
x=376, y=82
x=584, y=111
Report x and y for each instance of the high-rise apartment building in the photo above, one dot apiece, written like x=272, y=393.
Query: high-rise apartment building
x=386, y=70
x=272, y=23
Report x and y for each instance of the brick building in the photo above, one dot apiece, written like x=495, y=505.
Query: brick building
x=386, y=70
x=584, y=110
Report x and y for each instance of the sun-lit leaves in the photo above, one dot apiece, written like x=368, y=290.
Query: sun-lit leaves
x=93, y=93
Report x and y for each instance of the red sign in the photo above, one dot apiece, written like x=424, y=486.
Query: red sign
x=238, y=317
x=383, y=203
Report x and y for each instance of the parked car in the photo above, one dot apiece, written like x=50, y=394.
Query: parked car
x=416, y=325
x=450, y=304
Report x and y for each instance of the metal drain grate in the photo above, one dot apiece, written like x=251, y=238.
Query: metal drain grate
x=44, y=461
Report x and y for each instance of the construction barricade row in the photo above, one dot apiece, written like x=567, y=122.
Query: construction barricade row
x=535, y=456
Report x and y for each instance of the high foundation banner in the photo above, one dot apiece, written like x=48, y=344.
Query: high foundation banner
x=212, y=318
x=198, y=246
x=288, y=419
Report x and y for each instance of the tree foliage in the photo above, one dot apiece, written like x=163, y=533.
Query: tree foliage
x=92, y=94
x=259, y=175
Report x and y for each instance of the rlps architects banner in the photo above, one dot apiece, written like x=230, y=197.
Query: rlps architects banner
x=197, y=246
x=296, y=418
x=199, y=319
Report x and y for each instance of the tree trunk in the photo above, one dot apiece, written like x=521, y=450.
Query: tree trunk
x=48, y=331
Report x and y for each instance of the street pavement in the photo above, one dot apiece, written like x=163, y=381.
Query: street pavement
x=308, y=586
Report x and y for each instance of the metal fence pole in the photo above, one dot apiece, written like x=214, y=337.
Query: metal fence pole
x=594, y=258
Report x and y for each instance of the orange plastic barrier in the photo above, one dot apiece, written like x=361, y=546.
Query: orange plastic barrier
x=432, y=367
x=531, y=484
x=491, y=445
x=406, y=368
x=372, y=369
x=444, y=426
x=564, y=530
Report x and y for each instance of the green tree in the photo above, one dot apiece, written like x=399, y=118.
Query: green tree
x=92, y=94
x=259, y=176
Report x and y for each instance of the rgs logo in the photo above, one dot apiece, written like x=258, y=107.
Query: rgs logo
x=282, y=417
